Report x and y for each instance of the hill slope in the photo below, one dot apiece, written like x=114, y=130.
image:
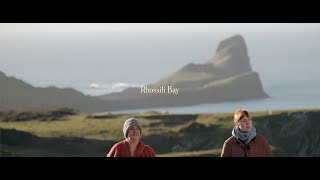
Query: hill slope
x=16, y=94
x=293, y=133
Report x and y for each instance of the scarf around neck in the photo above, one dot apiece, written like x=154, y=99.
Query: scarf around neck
x=244, y=136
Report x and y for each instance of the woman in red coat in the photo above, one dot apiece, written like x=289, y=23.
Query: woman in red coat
x=132, y=146
x=245, y=142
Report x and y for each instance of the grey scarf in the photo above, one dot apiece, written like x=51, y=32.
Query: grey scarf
x=244, y=136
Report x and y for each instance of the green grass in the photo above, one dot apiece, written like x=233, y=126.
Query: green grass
x=202, y=153
x=289, y=132
x=75, y=126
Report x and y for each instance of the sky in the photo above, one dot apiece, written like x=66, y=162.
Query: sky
x=157, y=27
x=88, y=55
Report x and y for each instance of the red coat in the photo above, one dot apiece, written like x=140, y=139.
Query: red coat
x=257, y=147
x=122, y=149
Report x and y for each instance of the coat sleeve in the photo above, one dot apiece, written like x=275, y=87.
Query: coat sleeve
x=268, y=150
x=226, y=150
x=150, y=151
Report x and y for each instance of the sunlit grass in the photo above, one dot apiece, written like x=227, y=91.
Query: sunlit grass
x=164, y=131
x=203, y=153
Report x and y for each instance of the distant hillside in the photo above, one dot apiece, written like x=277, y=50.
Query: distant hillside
x=228, y=76
x=18, y=95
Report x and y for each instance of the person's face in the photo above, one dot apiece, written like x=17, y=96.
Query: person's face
x=134, y=133
x=245, y=124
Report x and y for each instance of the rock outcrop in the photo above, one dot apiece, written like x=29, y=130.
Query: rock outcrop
x=228, y=76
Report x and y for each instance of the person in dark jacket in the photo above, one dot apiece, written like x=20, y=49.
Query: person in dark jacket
x=131, y=146
x=245, y=142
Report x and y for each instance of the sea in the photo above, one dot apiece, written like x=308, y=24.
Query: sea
x=281, y=98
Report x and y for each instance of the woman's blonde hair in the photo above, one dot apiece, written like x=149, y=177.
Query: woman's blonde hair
x=239, y=114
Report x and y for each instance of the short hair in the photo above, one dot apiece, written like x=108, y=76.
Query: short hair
x=239, y=114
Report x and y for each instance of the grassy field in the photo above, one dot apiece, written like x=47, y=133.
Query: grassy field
x=290, y=133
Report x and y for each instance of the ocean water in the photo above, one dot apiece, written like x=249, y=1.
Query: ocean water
x=281, y=98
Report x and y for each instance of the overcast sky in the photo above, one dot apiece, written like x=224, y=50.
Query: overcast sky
x=151, y=27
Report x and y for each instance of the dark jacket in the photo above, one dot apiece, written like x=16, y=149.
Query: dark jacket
x=257, y=147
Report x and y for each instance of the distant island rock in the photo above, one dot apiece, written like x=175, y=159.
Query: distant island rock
x=227, y=76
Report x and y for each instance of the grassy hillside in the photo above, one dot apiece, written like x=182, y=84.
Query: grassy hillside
x=291, y=133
